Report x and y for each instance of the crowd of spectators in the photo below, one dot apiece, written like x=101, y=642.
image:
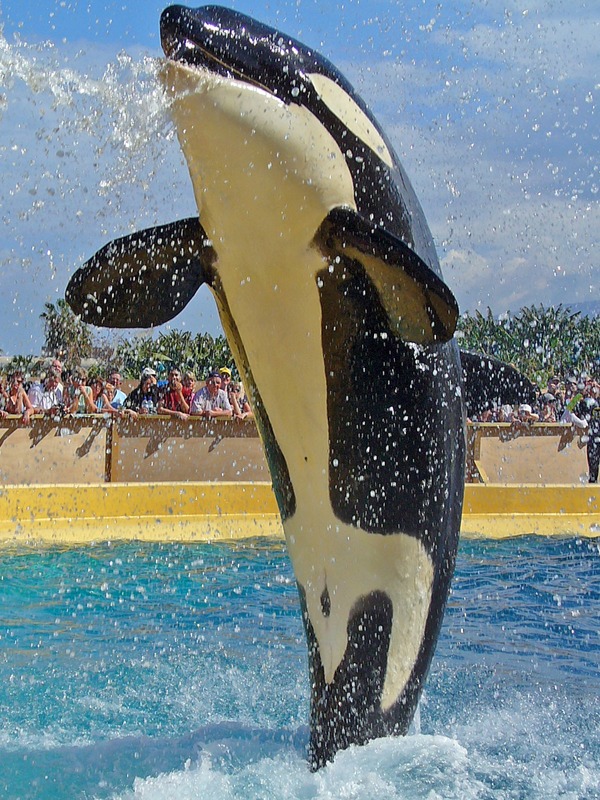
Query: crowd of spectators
x=573, y=401
x=60, y=393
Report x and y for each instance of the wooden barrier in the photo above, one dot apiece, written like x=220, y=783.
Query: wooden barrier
x=513, y=453
x=154, y=449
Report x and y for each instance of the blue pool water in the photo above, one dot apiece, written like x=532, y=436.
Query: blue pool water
x=179, y=671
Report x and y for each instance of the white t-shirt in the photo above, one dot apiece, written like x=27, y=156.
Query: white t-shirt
x=45, y=398
x=202, y=401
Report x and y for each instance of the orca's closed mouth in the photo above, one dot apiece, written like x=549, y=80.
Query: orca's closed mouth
x=186, y=37
x=233, y=45
x=216, y=39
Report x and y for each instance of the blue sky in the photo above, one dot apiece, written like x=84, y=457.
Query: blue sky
x=492, y=107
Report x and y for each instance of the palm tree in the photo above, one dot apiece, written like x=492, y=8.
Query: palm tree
x=65, y=333
x=540, y=341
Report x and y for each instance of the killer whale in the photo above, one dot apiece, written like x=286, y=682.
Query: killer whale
x=331, y=295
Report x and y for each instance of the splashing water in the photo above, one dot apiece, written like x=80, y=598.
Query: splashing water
x=123, y=107
x=88, y=153
x=155, y=671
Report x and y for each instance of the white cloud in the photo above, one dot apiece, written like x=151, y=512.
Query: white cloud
x=499, y=135
x=495, y=121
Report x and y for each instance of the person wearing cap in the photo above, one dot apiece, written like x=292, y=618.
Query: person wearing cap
x=548, y=408
x=225, y=374
x=211, y=401
x=525, y=414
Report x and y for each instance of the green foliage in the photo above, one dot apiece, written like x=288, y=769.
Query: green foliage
x=28, y=365
x=198, y=354
x=539, y=341
x=65, y=334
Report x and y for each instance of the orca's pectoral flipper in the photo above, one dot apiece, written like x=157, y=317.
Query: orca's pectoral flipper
x=143, y=279
x=419, y=305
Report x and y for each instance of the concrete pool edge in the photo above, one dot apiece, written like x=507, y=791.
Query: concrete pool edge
x=77, y=514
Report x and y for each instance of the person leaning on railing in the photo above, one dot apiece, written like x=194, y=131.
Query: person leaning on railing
x=102, y=394
x=239, y=401
x=175, y=400
x=47, y=398
x=119, y=395
x=16, y=401
x=211, y=400
x=144, y=398
x=78, y=395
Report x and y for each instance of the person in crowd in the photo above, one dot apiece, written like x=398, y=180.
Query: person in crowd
x=189, y=385
x=57, y=365
x=239, y=401
x=486, y=415
x=78, y=395
x=506, y=413
x=119, y=395
x=47, y=398
x=593, y=444
x=211, y=400
x=589, y=410
x=572, y=414
x=225, y=374
x=144, y=398
x=102, y=394
x=572, y=394
x=548, y=408
x=525, y=416
x=3, y=396
x=175, y=402
x=15, y=398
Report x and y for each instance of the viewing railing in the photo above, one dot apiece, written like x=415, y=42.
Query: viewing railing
x=540, y=452
x=98, y=448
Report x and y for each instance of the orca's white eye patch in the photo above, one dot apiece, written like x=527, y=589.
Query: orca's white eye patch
x=353, y=117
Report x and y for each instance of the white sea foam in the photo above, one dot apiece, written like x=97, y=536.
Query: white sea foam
x=415, y=767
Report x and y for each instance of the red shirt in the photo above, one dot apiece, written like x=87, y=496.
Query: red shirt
x=172, y=402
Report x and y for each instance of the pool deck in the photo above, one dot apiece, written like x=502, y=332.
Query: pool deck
x=75, y=514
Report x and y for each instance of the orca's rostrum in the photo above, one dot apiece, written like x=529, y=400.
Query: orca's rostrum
x=330, y=293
